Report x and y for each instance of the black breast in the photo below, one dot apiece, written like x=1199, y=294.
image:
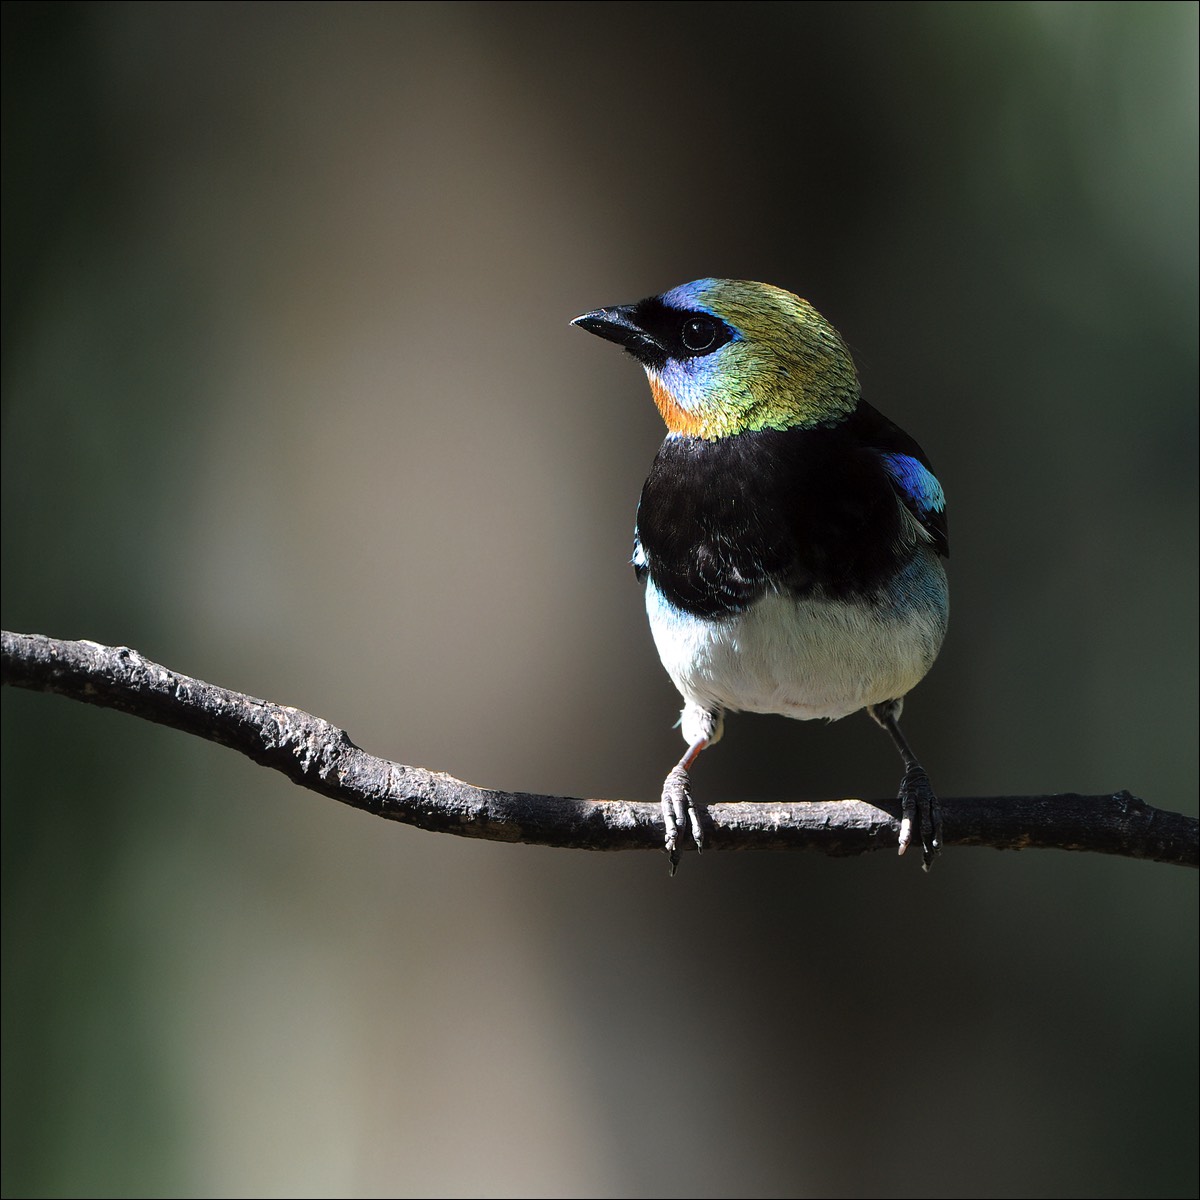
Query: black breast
x=797, y=510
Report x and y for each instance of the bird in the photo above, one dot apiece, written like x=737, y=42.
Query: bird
x=789, y=536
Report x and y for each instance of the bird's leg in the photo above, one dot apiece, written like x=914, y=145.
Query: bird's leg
x=677, y=806
x=702, y=727
x=918, y=804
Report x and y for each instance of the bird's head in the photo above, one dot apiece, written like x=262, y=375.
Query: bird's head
x=726, y=356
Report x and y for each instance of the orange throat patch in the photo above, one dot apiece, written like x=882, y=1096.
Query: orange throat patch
x=677, y=418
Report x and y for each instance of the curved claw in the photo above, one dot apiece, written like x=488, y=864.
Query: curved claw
x=679, y=813
x=919, y=807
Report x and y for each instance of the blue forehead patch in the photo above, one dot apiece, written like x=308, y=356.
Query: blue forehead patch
x=690, y=297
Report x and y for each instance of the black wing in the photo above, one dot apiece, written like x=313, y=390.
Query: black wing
x=909, y=470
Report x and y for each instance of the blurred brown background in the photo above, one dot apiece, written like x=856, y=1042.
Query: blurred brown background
x=291, y=404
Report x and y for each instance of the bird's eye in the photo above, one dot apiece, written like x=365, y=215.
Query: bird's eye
x=699, y=334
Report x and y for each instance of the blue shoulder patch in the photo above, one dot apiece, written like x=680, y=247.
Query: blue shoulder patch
x=916, y=483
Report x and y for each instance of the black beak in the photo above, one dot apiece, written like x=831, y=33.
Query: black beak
x=618, y=325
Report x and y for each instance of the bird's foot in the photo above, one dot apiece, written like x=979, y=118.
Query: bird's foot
x=679, y=815
x=919, y=808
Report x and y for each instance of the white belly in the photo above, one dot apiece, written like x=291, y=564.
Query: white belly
x=805, y=658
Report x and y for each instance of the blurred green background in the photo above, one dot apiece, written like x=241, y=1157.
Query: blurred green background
x=290, y=403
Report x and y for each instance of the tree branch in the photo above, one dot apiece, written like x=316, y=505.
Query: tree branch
x=321, y=757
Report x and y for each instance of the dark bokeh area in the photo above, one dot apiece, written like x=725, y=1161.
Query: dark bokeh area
x=290, y=403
